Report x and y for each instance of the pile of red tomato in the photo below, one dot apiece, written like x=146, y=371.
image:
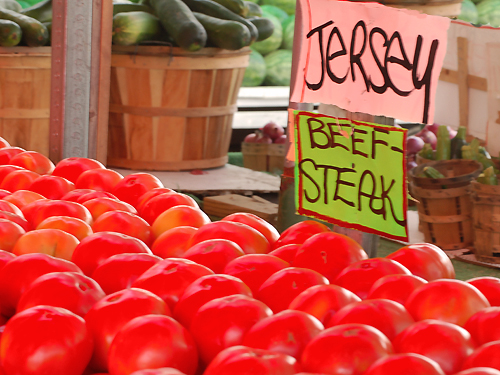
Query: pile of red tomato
x=106, y=274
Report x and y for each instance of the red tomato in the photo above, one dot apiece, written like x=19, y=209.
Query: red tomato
x=126, y=223
x=389, y=317
x=447, y=344
x=98, y=247
x=395, y=287
x=98, y=179
x=215, y=254
x=204, y=289
x=4, y=193
x=19, y=220
x=38, y=211
x=287, y=332
x=254, y=269
x=10, y=207
x=250, y=240
x=132, y=187
x=360, y=276
x=489, y=286
x=256, y=222
x=461, y=300
x=242, y=360
x=53, y=242
x=82, y=198
x=408, y=364
x=152, y=341
x=10, y=232
x=151, y=194
x=169, y=278
x=72, y=168
x=484, y=326
x=159, y=371
x=74, y=195
x=286, y=252
x=5, y=257
x=72, y=225
x=18, y=274
x=70, y=290
x=33, y=161
x=4, y=143
x=348, y=349
x=487, y=355
x=112, y=312
x=6, y=169
x=121, y=270
x=18, y=180
x=328, y=253
x=162, y=202
x=174, y=242
x=99, y=206
x=323, y=301
x=425, y=260
x=279, y=290
x=45, y=340
x=479, y=371
x=21, y=198
x=223, y=322
x=179, y=216
x=298, y=233
x=52, y=187
x=6, y=153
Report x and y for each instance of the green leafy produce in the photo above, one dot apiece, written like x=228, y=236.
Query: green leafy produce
x=272, y=43
x=255, y=71
x=132, y=28
x=278, y=68
x=427, y=152
x=275, y=11
x=488, y=177
x=468, y=12
x=488, y=12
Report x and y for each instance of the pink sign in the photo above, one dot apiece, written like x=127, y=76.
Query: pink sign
x=366, y=57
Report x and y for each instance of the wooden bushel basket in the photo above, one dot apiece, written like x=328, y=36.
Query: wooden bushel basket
x=25, y=97
x=486, y=218
x=445, y=204
x=171, y=109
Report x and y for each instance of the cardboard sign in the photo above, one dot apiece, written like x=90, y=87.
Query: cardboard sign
x=351, y=173
x=366, y=57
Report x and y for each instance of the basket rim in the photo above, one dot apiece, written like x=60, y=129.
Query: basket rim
x=413, y=173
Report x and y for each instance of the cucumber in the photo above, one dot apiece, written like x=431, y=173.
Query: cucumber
x=213, y=9
x=254, y=9
x=235, y=6
x=134, y=27
x=433, y=172
x=180, y=23
x=48, y=25
x=10, y=33
x=264, y=26
x=128, y=6
x=11, y=5
x=230, y=35
x=41, y=11
x=35, y=34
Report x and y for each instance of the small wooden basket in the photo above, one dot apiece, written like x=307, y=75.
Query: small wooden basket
x=444, y=204
x=264, y=157
x=486, y=219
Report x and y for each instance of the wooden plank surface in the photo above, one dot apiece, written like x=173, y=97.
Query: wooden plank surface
x=226, y=179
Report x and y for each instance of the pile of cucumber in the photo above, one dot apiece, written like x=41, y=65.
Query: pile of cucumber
x=30, y=27
x=190, y=24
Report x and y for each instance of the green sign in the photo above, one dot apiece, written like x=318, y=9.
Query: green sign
x=351, y=173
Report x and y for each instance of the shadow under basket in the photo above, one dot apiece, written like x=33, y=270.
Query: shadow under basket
x=445, y=204
x=486, y=216
x=171, y=109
